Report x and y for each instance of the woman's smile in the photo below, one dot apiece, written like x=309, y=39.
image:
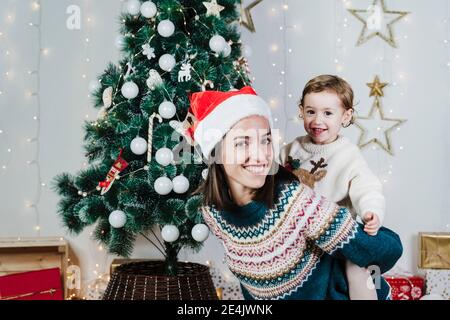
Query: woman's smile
x=260, y=169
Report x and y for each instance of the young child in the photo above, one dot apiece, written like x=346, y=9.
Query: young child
x=334, y=167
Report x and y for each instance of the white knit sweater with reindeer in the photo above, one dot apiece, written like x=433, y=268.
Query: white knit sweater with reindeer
x=337, y=171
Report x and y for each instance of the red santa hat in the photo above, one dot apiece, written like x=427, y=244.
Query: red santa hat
x=217, y=112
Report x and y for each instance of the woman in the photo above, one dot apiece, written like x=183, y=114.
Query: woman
x=282, y=240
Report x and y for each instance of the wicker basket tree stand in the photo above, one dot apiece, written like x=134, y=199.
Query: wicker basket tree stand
x=148, y=281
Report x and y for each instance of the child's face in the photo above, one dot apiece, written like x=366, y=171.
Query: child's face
x=323, y=116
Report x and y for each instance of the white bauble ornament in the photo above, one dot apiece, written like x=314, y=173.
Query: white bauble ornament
x=205, y=174
x=217, y=43
x=167, y=62
x=170, y=233
x=117, y=219
x=166, y=28
x=163, y=186
x=180, y=184
x=247, y=51
x=133, y=7
x=94, y=85
x=130, y=90
x=227, y=50
x=200, y=232
x=164, y=156
x=120, y=41
x=148, y=9
x=167, y=110
x=139, y=146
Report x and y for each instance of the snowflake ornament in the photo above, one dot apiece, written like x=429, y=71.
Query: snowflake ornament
x=148, y=51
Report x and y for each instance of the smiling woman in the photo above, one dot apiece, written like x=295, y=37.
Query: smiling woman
x=247, y=156
x=282, y=240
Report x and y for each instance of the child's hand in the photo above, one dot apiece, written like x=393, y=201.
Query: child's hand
x=371, y=223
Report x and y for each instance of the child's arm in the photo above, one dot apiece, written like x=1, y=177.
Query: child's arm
x=366, y=193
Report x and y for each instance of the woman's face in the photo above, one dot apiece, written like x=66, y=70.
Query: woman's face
x=247, y=154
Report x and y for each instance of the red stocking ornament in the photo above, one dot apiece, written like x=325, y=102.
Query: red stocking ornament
x=118, y=166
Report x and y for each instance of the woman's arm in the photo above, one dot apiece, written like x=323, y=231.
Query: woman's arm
x=333, y=229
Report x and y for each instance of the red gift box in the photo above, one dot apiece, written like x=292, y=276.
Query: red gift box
x=406, y=287
x=34, y=285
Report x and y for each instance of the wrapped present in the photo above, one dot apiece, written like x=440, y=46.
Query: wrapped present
x=22, y=254
x=438, y=283
x=406, y=287
x=35, y=285
x=434, y=250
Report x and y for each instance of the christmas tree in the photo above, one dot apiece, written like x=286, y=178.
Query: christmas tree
x=143, y=167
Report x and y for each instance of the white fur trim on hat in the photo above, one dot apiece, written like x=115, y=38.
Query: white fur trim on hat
x=215, y=125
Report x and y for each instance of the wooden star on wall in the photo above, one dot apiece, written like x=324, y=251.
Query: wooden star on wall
x=246, y=15
x=378, y=21
x=376, y=87
x=386, y=125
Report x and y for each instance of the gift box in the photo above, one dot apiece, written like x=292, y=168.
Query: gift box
x=20, y=255
x=406, y=287
x=35, y=285
x=434, y=250
x=438, y=283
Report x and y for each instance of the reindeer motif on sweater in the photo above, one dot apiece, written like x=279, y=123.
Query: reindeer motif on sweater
x=308, y=177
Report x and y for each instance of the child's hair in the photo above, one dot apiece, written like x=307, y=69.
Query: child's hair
x=331, y=83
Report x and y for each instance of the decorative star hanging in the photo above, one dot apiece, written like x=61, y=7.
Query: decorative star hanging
x=376, y=87
x=246, y=15
x=378, y=23
x=213, y=9
x=376, y=117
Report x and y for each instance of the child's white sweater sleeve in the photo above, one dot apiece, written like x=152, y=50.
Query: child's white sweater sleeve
x=365, y=190
x=287, y=151
x=284, y=153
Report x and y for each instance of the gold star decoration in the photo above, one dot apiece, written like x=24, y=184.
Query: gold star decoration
x=213, y=9
x=386, y=125
x=376, y=87
x=246, y=15
x=376, y=24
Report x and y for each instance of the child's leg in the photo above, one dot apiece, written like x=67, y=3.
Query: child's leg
x=358, y=283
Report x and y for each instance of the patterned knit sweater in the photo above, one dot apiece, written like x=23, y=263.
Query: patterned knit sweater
x=297, y=249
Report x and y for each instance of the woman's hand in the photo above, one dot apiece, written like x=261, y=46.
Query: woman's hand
x=371, y=223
